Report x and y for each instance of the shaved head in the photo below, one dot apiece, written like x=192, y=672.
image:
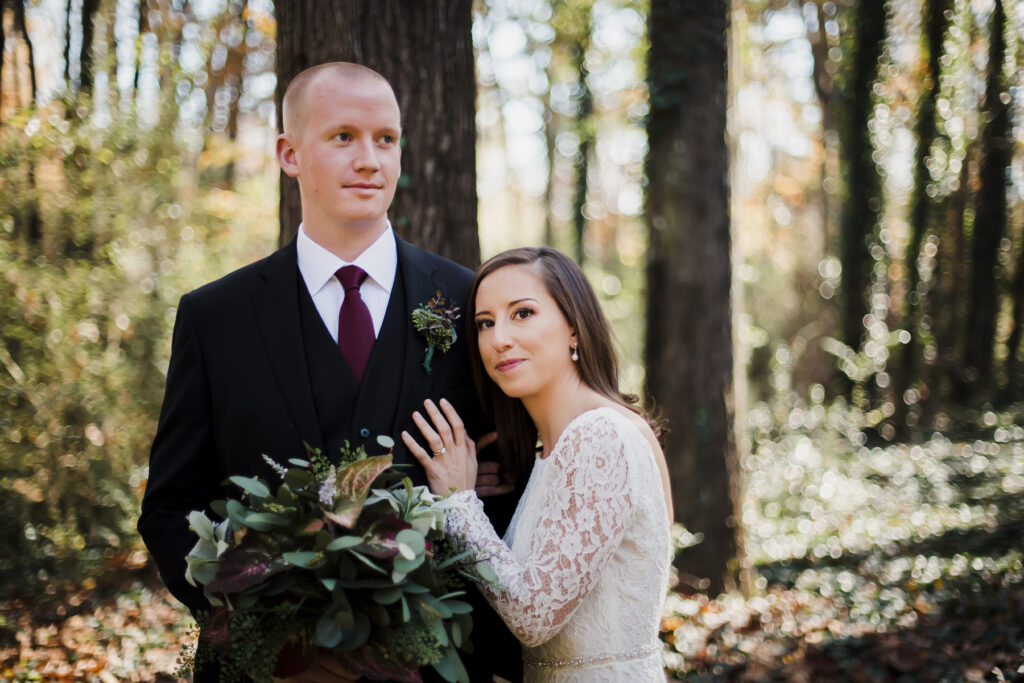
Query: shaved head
x=294, y=105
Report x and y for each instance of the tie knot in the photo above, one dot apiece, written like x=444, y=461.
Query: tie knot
x=351, y=277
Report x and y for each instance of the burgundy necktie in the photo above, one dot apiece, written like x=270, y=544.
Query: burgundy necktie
x=355, y=327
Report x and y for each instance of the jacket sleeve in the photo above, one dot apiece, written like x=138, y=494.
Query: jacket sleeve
x=184, y=473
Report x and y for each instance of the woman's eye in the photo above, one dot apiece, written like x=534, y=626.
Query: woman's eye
x=522, y=313
x=483, y=324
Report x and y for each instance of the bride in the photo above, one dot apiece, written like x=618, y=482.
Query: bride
x=583, y=568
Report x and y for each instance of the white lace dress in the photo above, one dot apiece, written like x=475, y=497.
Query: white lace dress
x=583, y=568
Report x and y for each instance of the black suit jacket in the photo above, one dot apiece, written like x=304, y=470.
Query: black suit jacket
x=238, y=387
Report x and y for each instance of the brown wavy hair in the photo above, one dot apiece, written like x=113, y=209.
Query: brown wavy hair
x=597, y=366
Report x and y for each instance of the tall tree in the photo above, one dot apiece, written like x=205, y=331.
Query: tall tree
x=689, y=355
x=989, y=218
x=425, y=50
x=935, y=20
x=85, y=72
x=22, y=26
x=3, y=39
x=862, y=186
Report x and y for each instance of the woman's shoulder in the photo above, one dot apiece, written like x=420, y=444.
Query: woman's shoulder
x=606, y=426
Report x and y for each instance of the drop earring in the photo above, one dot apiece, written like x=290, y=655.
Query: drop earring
x=575, y=354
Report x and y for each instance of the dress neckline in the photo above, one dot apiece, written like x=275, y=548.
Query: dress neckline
x=576, y=419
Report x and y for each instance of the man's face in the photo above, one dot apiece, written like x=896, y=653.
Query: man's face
x=345, y=153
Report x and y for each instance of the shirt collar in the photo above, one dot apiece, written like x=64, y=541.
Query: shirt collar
x=318, y=265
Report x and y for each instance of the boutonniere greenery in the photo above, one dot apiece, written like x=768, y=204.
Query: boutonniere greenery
x=436, y=322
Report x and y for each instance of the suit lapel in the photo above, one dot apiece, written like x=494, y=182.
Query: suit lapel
x=420, y=285
x=277, y=312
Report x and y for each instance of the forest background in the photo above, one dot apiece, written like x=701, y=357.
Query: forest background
x=805, y=220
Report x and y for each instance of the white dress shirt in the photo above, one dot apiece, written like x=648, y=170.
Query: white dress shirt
x=318, y=266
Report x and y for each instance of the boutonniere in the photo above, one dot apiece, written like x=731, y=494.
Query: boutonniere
x=436, y=323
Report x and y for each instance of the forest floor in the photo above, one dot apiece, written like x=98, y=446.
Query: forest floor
x=871, y=562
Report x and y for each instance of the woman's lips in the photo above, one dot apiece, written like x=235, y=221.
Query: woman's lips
x=506, y=365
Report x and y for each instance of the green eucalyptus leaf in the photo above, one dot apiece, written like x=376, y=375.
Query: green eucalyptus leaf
x=458, y=606
x=220, y=508
x=406, y=614
x=387, y=596
x=297, y=462
x=298, y=479
x=343, y=542
x=357, y=636
x=328, y=633
x=368, y=562
x=304, y=559
x=237, y=512
x=251, y=485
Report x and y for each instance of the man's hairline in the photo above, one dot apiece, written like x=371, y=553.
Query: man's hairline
x=309, y=78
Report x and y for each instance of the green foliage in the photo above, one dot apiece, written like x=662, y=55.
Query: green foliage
x=101, y=229
x=864, y=550
x=337, y=558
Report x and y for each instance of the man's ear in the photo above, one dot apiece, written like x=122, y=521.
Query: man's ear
x=286, y=155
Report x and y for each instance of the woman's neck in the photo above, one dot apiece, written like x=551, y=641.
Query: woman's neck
x=554, y=408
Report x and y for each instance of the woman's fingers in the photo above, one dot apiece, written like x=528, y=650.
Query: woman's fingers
x=487, y=439
x=417, y=451
x=440, y=424
x=433, y=439
x=458, y=428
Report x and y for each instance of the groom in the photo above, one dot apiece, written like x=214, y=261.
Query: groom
x=314, y=343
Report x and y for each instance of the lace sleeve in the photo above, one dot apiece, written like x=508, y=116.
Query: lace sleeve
x=586, y=507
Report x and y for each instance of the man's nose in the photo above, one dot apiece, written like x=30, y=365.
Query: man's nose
x=366, y=156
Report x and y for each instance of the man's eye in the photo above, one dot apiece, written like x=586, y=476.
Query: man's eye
x=522, y=313
x=388, y=139
x=344, y=137
x=483, y=324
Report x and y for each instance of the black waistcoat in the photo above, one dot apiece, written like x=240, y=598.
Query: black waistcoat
x=347, y=410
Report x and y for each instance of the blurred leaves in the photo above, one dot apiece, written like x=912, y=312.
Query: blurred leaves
x=102, y=228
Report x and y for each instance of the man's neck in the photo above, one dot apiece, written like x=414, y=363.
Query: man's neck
x=346, y=241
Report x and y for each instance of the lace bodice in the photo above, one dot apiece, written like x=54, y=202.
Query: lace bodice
x=584, y=565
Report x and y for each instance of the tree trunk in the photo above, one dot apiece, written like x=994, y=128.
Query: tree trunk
x=584, y=125
x=862, y=183
x=989, y=219
x=143, y=28
x=920, y=203
x=425, y=50
x=85, y=75
x=3, y=39
x=67, y=44
x=22, y=26
x=688, y=352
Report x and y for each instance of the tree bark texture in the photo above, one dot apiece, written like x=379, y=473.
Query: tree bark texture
x=688, y=352
x=990, y=218
x=920, y=204
x=862, y=191
x=3, y=40
x=85, y=73
x=425, y=50
x=22, y=26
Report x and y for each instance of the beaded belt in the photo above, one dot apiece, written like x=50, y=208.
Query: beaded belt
x=584, y=662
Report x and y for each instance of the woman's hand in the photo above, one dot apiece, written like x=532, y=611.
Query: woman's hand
x=451, y=465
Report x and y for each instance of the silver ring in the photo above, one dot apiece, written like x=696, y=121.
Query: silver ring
x=440, y=452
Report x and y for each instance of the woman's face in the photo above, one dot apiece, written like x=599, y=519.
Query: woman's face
x=524, y=340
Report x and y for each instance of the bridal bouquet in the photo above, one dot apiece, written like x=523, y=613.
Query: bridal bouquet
x=350, y=558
